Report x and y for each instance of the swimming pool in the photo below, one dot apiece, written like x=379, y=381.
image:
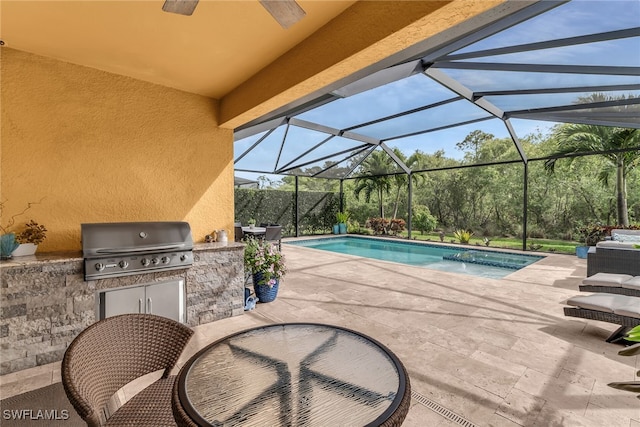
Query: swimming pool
x=476, y=262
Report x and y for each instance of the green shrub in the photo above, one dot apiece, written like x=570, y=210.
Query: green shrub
x=423, y=220
x=378, y=225
x=462, y=235
x=396, y=226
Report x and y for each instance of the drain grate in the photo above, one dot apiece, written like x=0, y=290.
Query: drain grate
x=441, y=410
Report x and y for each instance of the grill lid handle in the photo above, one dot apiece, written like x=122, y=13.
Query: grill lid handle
x=140, y=249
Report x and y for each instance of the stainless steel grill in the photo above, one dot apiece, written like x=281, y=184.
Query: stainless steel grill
x=117, y=249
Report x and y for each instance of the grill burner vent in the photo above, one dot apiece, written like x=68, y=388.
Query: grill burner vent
x=118, y=249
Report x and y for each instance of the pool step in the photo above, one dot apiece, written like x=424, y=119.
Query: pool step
x=484, y=258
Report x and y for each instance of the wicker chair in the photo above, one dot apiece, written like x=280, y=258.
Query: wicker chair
x=273, y=233
x=115, y=351
x=237, y=232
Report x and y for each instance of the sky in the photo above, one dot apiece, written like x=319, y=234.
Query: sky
x=578, y=17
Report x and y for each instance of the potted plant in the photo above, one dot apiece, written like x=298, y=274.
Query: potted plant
x=252, y=223
x=591, y=235
x=267, y=266
x=342, y=218
x=29, y=238
x=8, y=242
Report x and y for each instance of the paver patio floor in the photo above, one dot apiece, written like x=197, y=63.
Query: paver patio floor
x=483, y=351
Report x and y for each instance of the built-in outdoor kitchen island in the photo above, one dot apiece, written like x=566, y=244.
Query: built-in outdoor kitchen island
x=46, y=300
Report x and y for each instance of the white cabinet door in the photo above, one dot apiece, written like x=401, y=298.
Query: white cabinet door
x=166, y=299
x=124, y=301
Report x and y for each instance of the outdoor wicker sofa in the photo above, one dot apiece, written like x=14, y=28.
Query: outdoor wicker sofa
x=610, y=260
x=617, y=255
x=612, y=283
x=621, y=310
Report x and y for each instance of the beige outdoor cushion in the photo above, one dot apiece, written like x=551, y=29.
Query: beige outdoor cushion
x=631, y=309
x=607, y=303
x=614, y=244
x=621, y=305
x=633, y=283
x=606, y=279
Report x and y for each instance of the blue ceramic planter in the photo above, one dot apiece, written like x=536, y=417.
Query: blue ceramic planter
x=265, y=293
x=581, y=251
x=8, y=244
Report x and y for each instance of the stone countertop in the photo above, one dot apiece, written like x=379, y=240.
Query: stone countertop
x=218, y=246
x=40, y=258
x=71, y=256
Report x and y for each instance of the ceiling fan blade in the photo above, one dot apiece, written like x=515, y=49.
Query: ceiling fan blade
x=286, y=12
x=182, y=7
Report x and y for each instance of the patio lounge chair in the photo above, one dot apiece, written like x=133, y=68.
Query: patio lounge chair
x=622, y=284
x=621, y=310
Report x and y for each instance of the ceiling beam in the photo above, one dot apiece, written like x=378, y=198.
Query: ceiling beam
x=572, y=89
x=540, y=68
x=536, y=8
x=395, y=158
x=550, y=44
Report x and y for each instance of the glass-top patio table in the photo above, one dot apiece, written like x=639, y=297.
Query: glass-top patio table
x=294, y=374
x=254, y=231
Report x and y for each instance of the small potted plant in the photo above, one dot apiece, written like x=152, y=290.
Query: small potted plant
x=252, y=223
x=267, y=265
x=29, y=238
x=8, y=238
x=591, y=235
x=342, y=218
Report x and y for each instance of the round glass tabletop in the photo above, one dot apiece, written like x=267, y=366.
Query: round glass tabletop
x=294, y=375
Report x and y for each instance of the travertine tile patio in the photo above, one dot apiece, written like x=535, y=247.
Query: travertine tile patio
x=495, y=352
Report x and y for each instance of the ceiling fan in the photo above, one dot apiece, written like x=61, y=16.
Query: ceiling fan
x=286, y=12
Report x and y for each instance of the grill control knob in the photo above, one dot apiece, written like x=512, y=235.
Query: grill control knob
x=155, y=261
x=99, y=266
x=165, y=260
x=144, y=262
x=183, y=257
x=123, y=264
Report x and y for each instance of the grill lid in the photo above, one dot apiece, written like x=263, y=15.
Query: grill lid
x=103, y=239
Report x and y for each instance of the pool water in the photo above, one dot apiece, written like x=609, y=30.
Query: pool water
x=483, y=263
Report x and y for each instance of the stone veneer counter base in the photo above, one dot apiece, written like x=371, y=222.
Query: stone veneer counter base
x=45, y=302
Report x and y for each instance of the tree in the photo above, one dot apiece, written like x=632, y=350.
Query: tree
x=580, y=138
x=374, y=179
x=423, y=220
x=474, y=142
x=401, y=180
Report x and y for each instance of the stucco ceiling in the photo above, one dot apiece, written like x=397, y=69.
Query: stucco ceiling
x=209, y=53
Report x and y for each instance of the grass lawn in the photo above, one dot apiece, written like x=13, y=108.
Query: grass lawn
x=545, y=245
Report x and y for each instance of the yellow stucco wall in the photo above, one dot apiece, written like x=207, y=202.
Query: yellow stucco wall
x=98, y=147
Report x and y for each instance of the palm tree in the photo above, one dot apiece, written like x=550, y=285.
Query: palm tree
x=401, y=180
x=378, y=163
x=580, y=138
